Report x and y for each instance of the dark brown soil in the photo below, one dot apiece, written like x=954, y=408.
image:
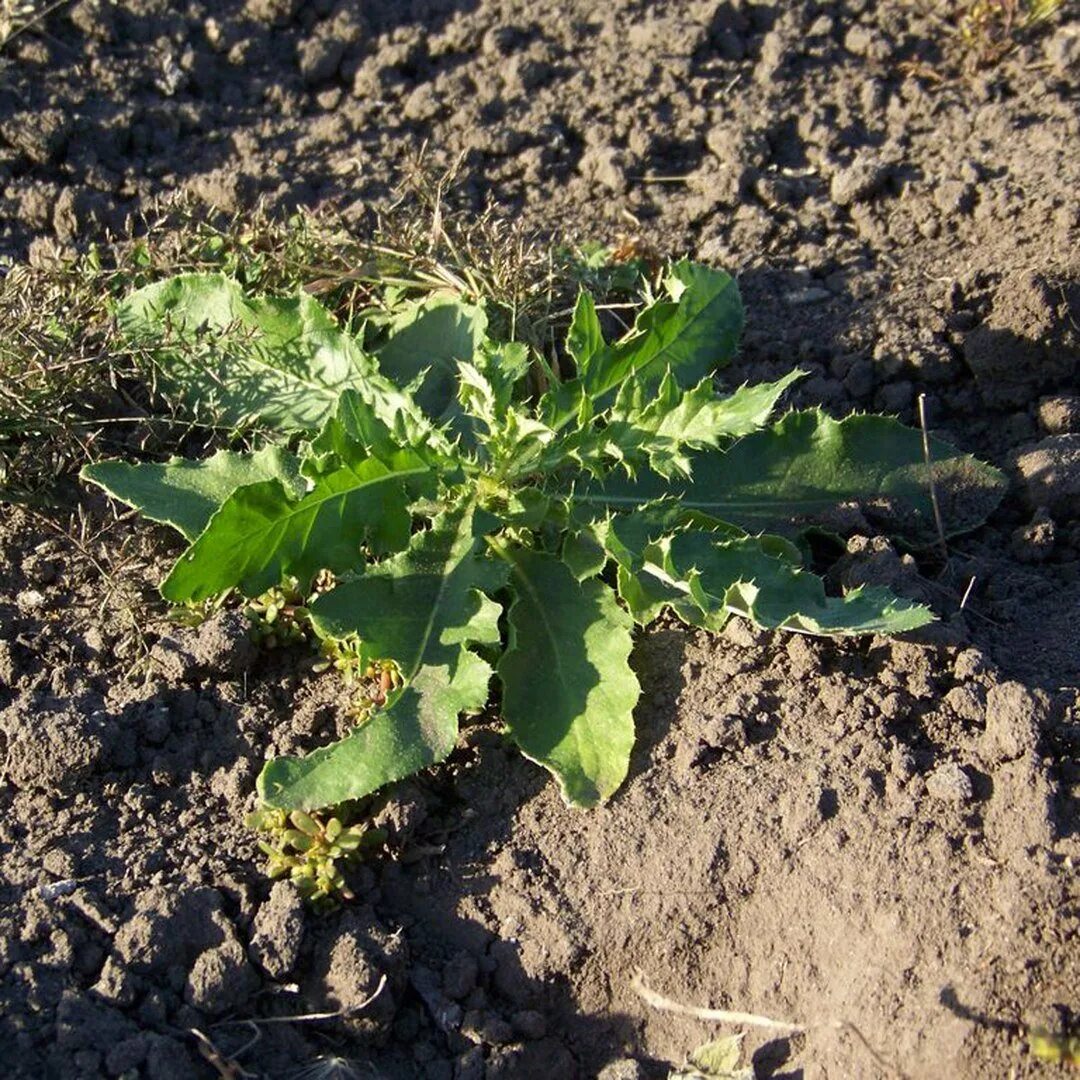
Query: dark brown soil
x=882, y=834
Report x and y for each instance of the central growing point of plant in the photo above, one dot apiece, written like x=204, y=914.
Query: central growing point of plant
x=478, y=529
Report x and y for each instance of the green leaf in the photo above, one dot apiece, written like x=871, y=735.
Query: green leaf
x=716, y=1060
x=662, y=424
x=692, y=334
x=426, y=341
x=583, y=554
x=237, y=360
x=808, y=464
x=697, y=334
x=760, y=577
x=706, y=575
x=262, y=533
x=568, y=690
x=585, y=338
x=185, y=494
x=423, y=609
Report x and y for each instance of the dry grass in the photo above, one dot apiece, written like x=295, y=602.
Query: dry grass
x=17, y=16
x=71, y=389
x=988, y=30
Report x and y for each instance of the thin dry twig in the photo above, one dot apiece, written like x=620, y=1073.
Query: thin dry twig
x=938, y=524
x=719, y=1016
x=228, y=1068
x=724, y=1016
x=308, y=1018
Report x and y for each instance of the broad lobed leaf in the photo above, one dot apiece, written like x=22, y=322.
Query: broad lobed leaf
x=262, y=533
x=237, y=360
x=807, y=464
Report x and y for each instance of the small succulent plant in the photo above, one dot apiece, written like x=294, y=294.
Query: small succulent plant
x=308, y=848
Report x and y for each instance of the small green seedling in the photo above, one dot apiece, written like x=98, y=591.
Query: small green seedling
x=307, y=849
x=485, y=517
x=716, y=1060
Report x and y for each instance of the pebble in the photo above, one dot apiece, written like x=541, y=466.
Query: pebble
x=858, y=182
x=949, y=783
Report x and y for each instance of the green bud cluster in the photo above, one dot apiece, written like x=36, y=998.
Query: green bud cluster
x=307, y=848
x=279, y=616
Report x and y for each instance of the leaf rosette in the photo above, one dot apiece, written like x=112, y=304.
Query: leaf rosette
x=482, y=534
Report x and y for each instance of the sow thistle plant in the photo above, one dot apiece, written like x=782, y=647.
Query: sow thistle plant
x=488, y=521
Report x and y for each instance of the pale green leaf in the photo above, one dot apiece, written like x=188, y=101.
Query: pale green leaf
x=716, y=1060
x=422, y=609
x=262, y=533
x=185, y=494
x=236, y=360
x=568, y=690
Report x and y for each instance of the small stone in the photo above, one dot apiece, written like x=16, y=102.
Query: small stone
x=1034, y=542
x=319, y=58
x=1060, y=414
x=278, y=931
x=273, y=12
x=422, y=104
x=606, y=166
x=220, y=979
x=862, y=41
x=1014, y=717
x=949, y=783
x=1049, y=475
x=858, y=182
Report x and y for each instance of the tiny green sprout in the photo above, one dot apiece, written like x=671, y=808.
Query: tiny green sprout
x=196, y=612
x=1058, y=1049
x=279, y=616
x=306, y=848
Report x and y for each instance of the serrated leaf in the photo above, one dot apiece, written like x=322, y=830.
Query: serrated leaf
x=262, y=533
x=568, y=690
x=186, y=494
x=238, y=360
x=427, y=339
x=706, y=575
x=662, y=424
x=423, y=609
x=692, y=334
x=583, y=554
x=807, y=464
x=760, y=577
